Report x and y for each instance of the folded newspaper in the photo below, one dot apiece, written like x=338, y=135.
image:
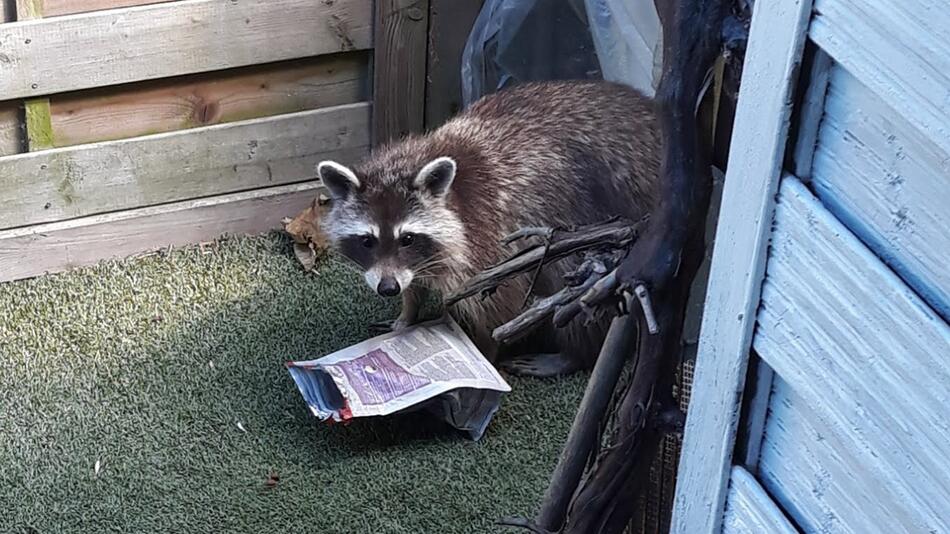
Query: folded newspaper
x=432, y=366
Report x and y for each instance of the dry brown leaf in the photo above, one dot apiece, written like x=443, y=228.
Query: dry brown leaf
x=310, y=243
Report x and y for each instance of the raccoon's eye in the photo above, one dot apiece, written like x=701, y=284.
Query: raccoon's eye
x=367, y=241
x=407, y=240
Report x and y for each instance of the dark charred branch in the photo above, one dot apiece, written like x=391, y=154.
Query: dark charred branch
x=585, y=432
x=542, y=311
x=648, y=281
x=613, y=235
x=659, y=268
x=692, y=39
x=670, y=419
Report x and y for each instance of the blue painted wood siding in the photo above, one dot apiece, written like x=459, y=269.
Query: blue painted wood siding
x=856, y=298
x=851, y=325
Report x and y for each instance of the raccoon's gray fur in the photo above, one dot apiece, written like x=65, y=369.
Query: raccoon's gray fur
x=430, y=210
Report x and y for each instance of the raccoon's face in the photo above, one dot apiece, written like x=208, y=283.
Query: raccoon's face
x=396, y=227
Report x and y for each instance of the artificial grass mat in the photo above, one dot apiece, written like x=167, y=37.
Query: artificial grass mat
x=148, y=365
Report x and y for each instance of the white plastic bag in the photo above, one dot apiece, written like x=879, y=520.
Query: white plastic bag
x=628, y=37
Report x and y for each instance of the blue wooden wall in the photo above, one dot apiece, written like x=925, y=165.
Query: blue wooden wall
x=851, y=312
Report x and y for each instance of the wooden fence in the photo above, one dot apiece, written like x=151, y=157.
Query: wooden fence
x=131, y=125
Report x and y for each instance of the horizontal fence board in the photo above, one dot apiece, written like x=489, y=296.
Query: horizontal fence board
x=200, y=100
x=869, y=361
x=819, y=480
x=56, y=247
x=10, y=129
x=56, y=8
x=900, y=50
x=78, y=181
x=889, y=183
x=749, y=510
x=47, y=56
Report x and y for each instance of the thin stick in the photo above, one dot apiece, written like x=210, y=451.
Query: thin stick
x=613, y=235
x=644, y=297
x=618, y=346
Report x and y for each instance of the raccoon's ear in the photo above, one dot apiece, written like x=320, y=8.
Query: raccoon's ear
x=436, y=177
x=338, y=179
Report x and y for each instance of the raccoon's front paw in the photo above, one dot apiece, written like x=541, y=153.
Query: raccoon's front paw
x=397, y=325
x=401, y=323
x=544, y=365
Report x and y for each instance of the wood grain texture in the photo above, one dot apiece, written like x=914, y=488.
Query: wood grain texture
x=56, y=8
x=56, y=247
x=810, y=113
x=10, y=129
x=39, y=127
x=900, y=50
x=822, y=484
x=755, y=412
x=868, y=361
x=399, y=68
x=201, y=100
x=775, y=47
x=888, y=182
x=117, y=46
x=749, y=510
x=450, y=23
x=28, y=9
x=79, y=181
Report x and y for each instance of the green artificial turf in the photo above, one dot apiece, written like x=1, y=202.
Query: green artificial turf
x=147, y=366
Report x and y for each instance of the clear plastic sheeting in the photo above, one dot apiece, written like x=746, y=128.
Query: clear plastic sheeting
x=515, y=41
x=628, y=38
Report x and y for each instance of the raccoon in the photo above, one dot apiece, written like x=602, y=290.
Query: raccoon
x=429, y=211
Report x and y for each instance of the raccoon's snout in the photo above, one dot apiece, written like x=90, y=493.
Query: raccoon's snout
x=388, y=282
x=388, y=286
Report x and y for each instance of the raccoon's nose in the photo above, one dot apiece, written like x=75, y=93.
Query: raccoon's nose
x=388, y=287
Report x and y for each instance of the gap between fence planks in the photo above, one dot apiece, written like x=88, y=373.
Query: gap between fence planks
x=118, y=46
x=205, y=99
x=56, y=247
x=79, y=181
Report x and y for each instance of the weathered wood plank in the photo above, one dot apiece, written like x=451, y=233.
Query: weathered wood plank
x=399, y=68
x=776, y=40
x=78, y=181
x=202, y=100
x=28, y=9
x=10, y=129
x=756, y=407
x=450, y=23
x=132, y=44
x=888, y=182
x=56, y=8
x=810, y=113
x=869, y=361
x=823, y=483
x=55, y=247
x=900, y=50
x=39, y=127
x=749, y=510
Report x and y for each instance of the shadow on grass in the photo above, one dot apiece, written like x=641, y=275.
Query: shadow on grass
x=169, y=372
